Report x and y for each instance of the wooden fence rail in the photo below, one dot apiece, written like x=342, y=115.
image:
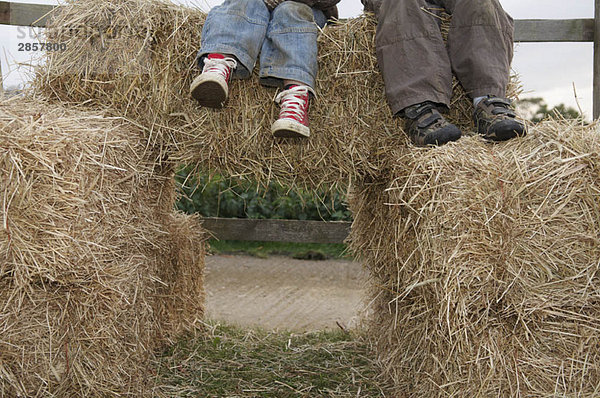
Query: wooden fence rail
x=24, y=14
x=526, y=31
x=277, y=230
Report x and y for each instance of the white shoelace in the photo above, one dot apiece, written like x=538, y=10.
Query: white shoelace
x=223, y=66
x=293, y=101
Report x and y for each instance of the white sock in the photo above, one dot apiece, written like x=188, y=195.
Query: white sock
x=477, y=100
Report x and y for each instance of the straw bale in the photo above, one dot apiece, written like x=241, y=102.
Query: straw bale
x=93, y=262
x=350, y=121
x=180, y=304
x=485, y=265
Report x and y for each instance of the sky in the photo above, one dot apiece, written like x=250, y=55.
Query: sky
x=554, y=71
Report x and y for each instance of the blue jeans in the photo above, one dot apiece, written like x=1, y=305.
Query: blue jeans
x=285, y=38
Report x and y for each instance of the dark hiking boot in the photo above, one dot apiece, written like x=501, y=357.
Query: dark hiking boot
x=496, y=120
x=426, y=126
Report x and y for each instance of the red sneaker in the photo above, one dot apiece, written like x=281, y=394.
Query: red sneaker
x=210, y=88
x=293, y=116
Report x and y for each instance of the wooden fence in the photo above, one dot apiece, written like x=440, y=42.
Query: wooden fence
x=277, y=230
x=526, y=31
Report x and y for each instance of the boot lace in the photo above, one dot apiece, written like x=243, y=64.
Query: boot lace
x=223, y=66
x=293, y=102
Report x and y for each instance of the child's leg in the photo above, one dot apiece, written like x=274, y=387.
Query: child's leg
x=289, y=51
x=289, y=59
x=236, y=28
x=232, y=36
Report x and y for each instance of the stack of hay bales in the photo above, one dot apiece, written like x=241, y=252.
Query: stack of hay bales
x=485, y=265
x=484, y=258
x=350, y=121
x=95, y=268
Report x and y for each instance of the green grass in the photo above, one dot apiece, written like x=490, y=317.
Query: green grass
x=232, y=362
x=305, y=251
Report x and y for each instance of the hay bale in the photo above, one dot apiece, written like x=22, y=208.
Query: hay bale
x=485, y=265
x=180, y=303
x=92, y=260
x=350, y=121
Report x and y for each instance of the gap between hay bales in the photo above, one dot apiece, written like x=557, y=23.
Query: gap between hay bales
x=284, y=293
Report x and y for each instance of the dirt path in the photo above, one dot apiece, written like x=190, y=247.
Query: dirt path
x=284, y=293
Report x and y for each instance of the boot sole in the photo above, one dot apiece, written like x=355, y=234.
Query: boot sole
x=504, y=135
x=500, y=137
x=440, y=137
x=288, y=129
x=209, y=92
x=504, y=130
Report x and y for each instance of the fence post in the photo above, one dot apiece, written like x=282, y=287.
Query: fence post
x=596, y=94
x=4, y=12
x=1, y=81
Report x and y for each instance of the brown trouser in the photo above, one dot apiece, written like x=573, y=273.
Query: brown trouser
x=416, y=64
